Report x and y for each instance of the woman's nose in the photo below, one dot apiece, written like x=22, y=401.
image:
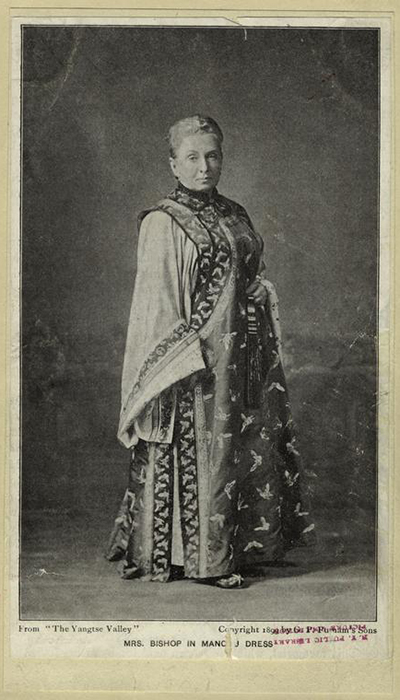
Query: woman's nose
x=203, y=165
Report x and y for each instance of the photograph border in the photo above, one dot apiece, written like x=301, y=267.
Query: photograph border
x=384, y=347
x=377, y=323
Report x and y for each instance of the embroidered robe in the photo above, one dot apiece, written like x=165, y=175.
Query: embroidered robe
x=215, y=481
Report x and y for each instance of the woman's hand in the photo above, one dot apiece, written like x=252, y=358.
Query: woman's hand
x=258, y=292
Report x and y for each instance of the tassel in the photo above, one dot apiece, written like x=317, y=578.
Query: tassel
x=254, y=360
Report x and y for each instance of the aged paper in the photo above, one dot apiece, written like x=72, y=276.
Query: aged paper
x=304, y=613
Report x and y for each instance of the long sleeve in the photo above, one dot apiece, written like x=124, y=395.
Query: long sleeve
x=160, y=349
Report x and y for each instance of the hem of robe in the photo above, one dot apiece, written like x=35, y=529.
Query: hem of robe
x=248, y=566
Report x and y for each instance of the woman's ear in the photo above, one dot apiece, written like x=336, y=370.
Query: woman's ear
x=173, y=166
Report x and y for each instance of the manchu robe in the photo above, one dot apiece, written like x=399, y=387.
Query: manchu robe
x=215, y=473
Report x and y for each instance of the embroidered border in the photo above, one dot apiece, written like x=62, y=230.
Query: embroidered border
x=183, y=360
x=188, y=483
x=162, y=515
x=210, y=285
x=166, y=411
x=171, y=343
x=203, y=477
x=148, y=508
x=177, y=334
x=188, y=221
x=229, y=286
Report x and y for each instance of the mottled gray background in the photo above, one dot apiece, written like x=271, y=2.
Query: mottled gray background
x=299, y=110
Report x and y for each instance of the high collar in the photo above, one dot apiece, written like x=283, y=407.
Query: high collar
x=199, y=201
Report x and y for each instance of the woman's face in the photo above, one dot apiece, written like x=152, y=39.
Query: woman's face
x=198, y=162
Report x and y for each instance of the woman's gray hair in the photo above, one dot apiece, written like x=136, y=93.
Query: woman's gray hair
x=192, y=125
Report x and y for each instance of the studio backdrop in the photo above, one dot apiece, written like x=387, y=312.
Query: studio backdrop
x=300, y=114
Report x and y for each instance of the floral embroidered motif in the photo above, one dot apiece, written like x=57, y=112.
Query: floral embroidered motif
x=246, y=421
x=291, y=448
x=253, y=545
x=227, y=340
x=264, y=525
x=298, y=509
x=229, y=487
x=265, y=492
x=241, y=504
x=291, y=480
x=257, y=460
x=276, y=385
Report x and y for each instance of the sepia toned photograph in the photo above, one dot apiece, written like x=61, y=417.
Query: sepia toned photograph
x=199, y=323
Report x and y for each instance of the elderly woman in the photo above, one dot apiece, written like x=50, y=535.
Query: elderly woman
x=214, y=486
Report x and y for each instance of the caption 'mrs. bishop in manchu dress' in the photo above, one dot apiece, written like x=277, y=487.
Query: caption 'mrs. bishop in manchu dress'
x=215, y=473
